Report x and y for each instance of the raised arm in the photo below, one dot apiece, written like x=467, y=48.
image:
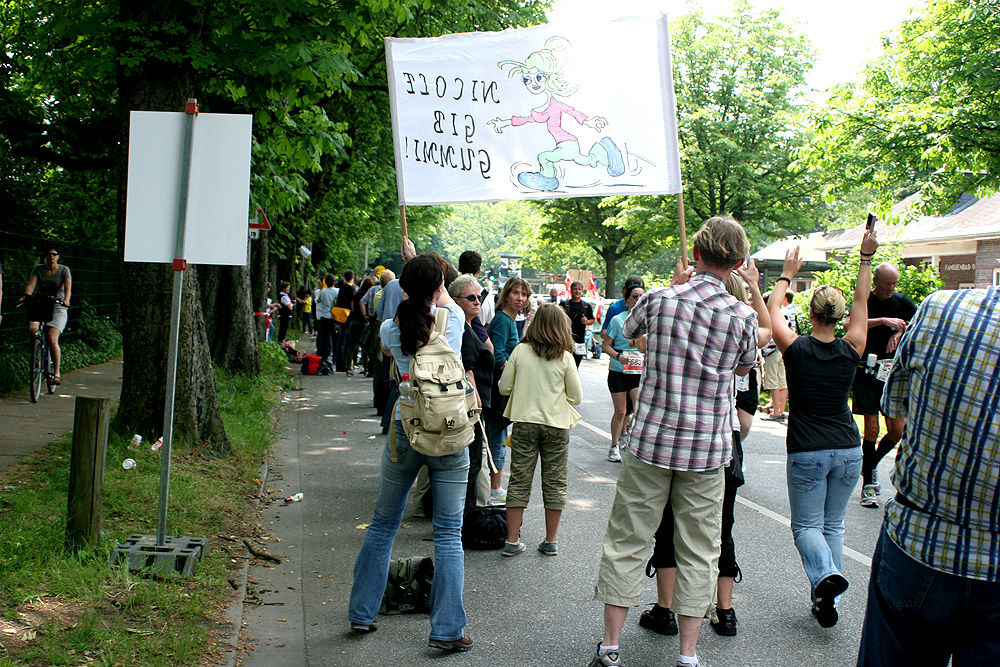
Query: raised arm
x=783, y=336
x=857, y=330
x=751, y=275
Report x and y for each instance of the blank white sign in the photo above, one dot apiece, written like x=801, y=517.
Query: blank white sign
x=218, y=190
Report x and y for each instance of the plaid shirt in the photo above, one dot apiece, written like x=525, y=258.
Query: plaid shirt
x=945, y=381
x=697, y=335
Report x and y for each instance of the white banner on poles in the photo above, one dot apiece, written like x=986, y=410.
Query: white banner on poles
x=571, y=110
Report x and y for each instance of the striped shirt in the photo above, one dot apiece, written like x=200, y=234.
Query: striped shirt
x=945, y=381
x=697, y=335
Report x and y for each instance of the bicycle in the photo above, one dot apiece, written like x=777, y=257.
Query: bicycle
x=41, y=354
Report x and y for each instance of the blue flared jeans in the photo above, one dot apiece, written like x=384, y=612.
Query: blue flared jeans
x=820, y=484
x=449, y=478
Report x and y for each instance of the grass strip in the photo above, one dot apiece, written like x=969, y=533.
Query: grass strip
x=61, y=608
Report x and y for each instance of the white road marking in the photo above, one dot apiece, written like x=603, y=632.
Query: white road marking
x=785, y=521
x=603, y=434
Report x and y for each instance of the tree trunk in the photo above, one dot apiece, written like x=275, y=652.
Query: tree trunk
x=229, y=320
x=146, y=288
x=236, y=348
x=610, y=271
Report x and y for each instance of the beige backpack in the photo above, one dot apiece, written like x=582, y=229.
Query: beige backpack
x=442, y=419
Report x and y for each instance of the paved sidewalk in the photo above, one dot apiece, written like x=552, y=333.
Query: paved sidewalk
x=27, y=426
x=525, y=610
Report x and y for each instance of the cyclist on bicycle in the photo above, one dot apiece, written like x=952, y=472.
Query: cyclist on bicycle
x=52, y=280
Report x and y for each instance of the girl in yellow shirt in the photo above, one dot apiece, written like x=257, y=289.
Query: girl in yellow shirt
x=543, y=384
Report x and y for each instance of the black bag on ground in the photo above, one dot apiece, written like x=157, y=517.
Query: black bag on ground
x=485, y=528
x=408, y=590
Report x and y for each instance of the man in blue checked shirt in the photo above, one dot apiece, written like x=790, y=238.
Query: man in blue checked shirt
x=698, y=338
x=934, y=593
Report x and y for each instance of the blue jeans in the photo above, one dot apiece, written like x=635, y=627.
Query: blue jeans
x=919, y=616
x=449, y=476
x=820, y=483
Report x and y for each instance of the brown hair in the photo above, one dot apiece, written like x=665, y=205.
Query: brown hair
x=549, y=333
x=509, y=286
x=721, y=242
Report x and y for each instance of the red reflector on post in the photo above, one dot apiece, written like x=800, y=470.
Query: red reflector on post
x=180, y=265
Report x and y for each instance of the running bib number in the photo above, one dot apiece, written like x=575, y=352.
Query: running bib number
x=632, y=364
x=884, y=366
x=580, y=349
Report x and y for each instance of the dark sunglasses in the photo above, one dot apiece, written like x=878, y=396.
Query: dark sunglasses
x=472, y=298
x=52, y=254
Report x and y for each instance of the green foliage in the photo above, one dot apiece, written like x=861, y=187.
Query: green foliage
x=740, y=85
x=490, y=229
x=915, y=282
x=925, y=112
x=311, y=74
x=613, y=227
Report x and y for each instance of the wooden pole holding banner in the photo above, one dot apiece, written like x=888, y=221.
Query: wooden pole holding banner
x=402, y=218
x=683, y=229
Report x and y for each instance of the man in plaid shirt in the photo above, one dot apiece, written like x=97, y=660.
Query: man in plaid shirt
x=934, y=593
x=698, y=338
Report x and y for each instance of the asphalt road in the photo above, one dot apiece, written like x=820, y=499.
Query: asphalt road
x=527, y=610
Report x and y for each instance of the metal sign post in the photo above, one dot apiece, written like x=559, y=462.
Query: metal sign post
x=179, y=266
x=170, y=555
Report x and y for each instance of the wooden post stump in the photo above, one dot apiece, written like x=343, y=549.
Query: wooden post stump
x=86, y=477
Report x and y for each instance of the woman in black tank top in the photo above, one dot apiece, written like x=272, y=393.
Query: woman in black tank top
x=823, y=442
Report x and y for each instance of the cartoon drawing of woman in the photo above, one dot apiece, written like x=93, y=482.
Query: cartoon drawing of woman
x=543, y=73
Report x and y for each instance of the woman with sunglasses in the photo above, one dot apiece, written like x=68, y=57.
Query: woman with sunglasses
x=477, y=357
x=823, y=442
x=54, y=281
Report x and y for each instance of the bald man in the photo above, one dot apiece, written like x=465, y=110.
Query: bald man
x=888, y=315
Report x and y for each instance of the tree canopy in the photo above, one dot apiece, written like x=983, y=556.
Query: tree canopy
x=925, y=115
x=740, y=87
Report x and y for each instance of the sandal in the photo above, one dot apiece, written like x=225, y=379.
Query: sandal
x=56, y=379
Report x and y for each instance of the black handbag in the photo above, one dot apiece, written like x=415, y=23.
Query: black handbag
x=485, y=527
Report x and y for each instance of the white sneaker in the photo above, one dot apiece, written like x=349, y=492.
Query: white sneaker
x=614, y=455
x=875, y=483
x=869, y=496
x=623, y=439
x=498, y=496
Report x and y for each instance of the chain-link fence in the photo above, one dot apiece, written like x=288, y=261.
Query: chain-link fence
x=95, y=282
